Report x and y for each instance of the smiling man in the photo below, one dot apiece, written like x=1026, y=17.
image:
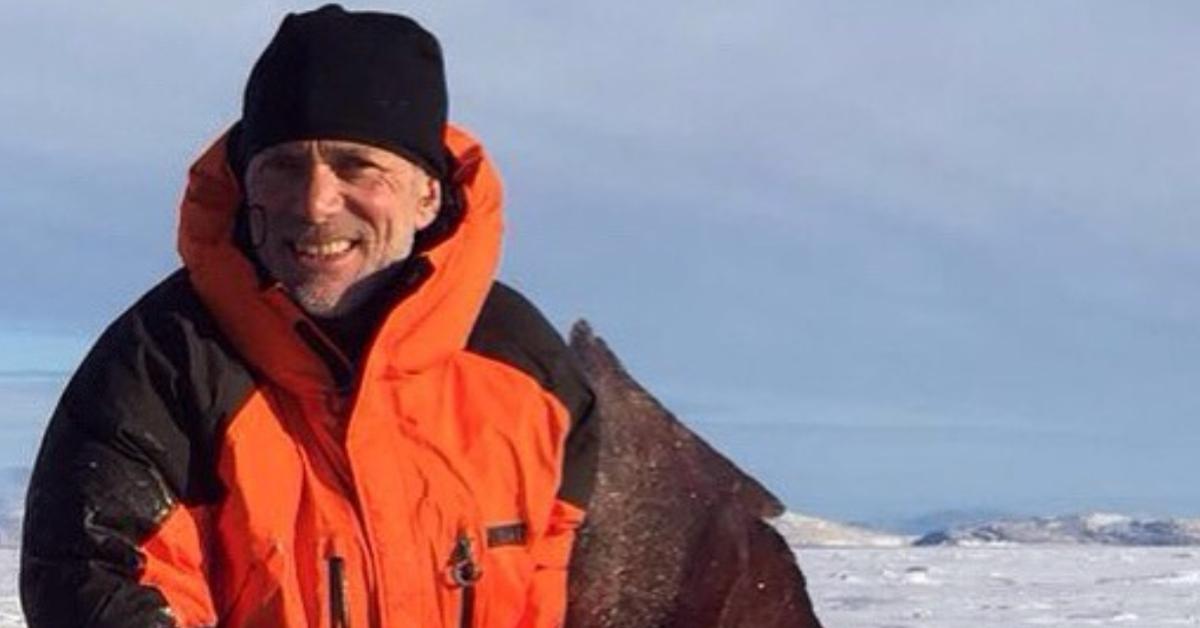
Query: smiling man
x=332, y=415
x=330, y=215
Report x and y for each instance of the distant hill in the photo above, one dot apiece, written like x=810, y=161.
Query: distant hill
x=1092, y=528
x=805, y=531
x=942, y=520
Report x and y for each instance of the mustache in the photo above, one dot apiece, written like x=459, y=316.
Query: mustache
x=296, y=228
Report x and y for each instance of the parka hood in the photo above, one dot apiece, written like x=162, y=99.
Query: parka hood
x=432, y=319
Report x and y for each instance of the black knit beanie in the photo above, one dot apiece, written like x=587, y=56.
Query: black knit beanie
x=367, y=77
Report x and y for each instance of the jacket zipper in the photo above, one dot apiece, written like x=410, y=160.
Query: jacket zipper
x=465, y=573
x=339, y=612
x=343, y=374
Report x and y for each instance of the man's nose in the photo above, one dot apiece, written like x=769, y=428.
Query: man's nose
x=323, y=196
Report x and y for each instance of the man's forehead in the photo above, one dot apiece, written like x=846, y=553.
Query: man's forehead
x=329, y=148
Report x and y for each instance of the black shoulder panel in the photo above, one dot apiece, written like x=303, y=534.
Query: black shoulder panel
x=511, y=330
x=135, y=432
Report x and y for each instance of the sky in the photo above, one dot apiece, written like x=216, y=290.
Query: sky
x=892, y=258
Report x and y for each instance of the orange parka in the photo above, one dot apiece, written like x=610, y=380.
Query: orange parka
x=217, y=461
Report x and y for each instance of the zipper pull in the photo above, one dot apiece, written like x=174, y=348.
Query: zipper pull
x=339, y=612
x=463, y=570
x=465, y=573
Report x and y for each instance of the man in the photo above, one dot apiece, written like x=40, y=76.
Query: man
x=332, y=416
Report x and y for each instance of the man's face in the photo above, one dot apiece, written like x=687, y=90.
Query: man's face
x=327, y=215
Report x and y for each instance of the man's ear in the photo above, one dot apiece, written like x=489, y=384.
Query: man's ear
x=429, y=202
x=256, y=224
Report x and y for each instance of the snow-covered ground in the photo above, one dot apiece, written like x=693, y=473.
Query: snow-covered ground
x=10, y=607
x=1062, y=571
x=1005, y=587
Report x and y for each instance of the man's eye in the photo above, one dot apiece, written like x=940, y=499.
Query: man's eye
x=355, y=165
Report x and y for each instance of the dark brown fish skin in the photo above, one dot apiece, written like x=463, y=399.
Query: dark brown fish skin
x=675, y=536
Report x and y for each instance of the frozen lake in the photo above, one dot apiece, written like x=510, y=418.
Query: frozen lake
x=943, y=587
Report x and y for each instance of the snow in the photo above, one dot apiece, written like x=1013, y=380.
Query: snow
x=1092, y=528
x=1059, y=571
x=10, y=608
x=1004, y=587
x=12, y=497
x=802, y=530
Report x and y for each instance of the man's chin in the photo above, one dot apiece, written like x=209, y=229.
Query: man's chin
x=322, y=303
x=335, y=299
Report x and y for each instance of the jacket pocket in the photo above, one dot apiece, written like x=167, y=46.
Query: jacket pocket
x=508, y=571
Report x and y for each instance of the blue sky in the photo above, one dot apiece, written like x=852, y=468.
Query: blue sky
x=892, y=257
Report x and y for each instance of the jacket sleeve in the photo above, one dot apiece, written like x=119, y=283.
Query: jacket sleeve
x=105, y=544
x=108, y=538
x=511, y=329
x=546, y=603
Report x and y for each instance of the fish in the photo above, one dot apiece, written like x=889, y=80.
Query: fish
x=676, y=534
